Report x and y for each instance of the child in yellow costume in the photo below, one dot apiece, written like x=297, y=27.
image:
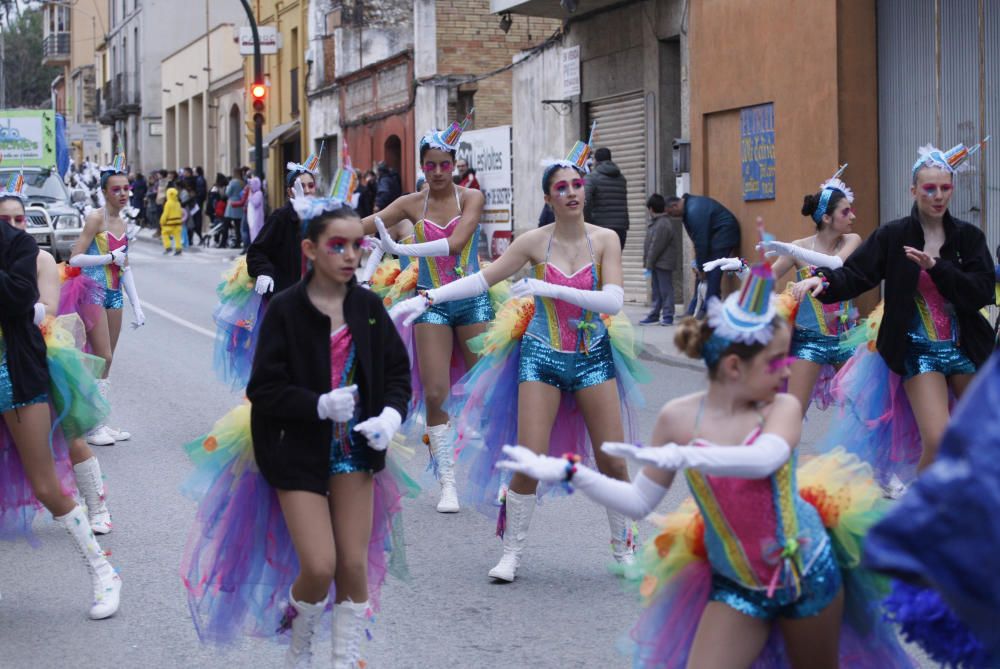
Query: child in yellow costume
x=170, y=222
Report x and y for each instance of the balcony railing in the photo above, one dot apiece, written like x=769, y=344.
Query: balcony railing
x=56, y=46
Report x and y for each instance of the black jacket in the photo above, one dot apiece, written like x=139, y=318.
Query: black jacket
x=607, y=197
x=277, y=250
x=713, y=229
x=29, y=373
x=389, y=188
x=291, y=369
x=963, y=274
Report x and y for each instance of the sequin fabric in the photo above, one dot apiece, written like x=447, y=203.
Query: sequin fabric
x=830, y=320
x=815, y=347
x=7, y=402
x=820, y=585
x=568, y=372
x=348, y=451
x=457, y=313
x=107, y=276
x=931, y=343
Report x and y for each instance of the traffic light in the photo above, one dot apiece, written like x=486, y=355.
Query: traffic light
x=258, y=94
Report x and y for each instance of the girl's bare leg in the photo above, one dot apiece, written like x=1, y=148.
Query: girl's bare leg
x=537, y=405
x=114, y=327
x=802, y=380
x=601, y=411
x=99, y=339
x=727, y=639
x=434, y=347
x=814, y=642
x=928, y=395
x=308, y=518
x=351, y=505
x=29, y=426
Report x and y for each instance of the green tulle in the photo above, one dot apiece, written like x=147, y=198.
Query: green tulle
x=73, y=376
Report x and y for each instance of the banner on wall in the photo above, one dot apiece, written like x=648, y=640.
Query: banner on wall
x=757, y=152
x=488, y=151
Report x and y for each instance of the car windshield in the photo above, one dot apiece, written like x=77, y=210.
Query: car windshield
x=43, y=185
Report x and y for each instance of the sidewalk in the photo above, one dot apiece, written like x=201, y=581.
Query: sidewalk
x=657, y=341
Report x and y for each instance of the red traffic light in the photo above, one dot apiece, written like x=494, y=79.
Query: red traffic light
x=258, y=91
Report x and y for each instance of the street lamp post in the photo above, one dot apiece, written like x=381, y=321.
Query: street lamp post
x=258, y=78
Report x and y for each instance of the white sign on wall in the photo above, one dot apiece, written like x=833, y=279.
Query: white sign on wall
x=270, y=40
x=488, y=152
x=571, y=71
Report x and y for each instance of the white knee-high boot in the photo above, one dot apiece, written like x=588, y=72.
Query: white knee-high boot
x=348, y=628
x=302, y=618
x=623, y=538
x=91, y=485
x=104, y=385
x=105, y=582
x=444, y=456
x=518, y=510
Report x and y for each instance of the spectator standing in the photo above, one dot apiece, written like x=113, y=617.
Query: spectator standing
x=466, y=175
x=659, y=257
x=389, y=187
x=714, y=231
x=138, y=198
x=366, y=197
x=200, y=188
x=162, y=183
x=607, y=196
x=234, y=210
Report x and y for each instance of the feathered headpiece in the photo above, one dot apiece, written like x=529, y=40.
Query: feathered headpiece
x=117, y=166
x=345, y=180
x=827, y=189
x=310, y=166
x=447, y=140
x=15, y=186
x=952, y=160
x=578, y=155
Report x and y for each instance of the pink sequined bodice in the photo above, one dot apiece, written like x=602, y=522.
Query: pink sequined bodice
x=934, y=311
x=568, y=315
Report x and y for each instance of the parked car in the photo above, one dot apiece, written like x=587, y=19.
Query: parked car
x=52, y=219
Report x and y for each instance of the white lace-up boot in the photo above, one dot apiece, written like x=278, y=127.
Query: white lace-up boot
x=519, y=510
x=623, y=538
x=348, y=632
x=91, y=485
x=104, y=386
x=444, y=455
x=301, y=618
x=104, y=580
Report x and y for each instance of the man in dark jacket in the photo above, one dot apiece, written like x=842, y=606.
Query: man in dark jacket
x=275, y=257
x=607, y=196
x=659, y=257
x=714, y=231
x=389, y=187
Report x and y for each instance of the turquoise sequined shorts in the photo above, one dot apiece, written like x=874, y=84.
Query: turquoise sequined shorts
x=7, y=402
x=353, y=458
x=816, y=347
x=455, y=314
x=109, y=298
x=924, y=355
x=820, y=586
x=566, y=371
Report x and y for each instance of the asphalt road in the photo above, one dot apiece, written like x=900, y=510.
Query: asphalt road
x=564, y=610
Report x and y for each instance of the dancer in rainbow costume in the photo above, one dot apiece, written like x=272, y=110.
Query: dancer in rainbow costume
x=552, y=364
x=446, y=231
x=938, y=274
x=44, y=373
x=307, y=463
x=762, y=569
x=102, y=253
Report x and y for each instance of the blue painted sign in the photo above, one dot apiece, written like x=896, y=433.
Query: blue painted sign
x=757, y=152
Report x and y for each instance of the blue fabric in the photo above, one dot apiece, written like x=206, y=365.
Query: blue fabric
x=352, y=458
x=457, y=313
x=946, y=528
x=566, y=371
x=820, y=586
x=924, y=355
x=819, y=348
x=7, y=402
x=108, y=298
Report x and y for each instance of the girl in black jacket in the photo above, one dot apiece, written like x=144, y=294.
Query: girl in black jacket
x=330, y=386
x=938, y=275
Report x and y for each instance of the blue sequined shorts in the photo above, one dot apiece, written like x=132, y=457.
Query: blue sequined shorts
x=566, y=371
x=924, y=355
x=455, y=314
x=355, y=459
x=109, y=298
x=820, y=586
x=7, y=402
x=816, y=347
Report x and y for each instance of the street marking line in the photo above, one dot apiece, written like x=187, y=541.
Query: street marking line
x=177, y=319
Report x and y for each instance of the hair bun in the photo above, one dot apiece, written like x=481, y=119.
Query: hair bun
x=809, y=204
x=691, y=335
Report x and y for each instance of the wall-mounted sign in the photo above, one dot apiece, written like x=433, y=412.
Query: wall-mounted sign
x=757, y=151
x=27, y=137
x=488, y=152
x=270, y=40
x=571, y=71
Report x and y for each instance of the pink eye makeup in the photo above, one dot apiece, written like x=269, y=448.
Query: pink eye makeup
x=11, y=220
x=777, y=365
x=562, y=187
x=339, y=245
x=444, y=166
x=117, y=190
x=930, y=190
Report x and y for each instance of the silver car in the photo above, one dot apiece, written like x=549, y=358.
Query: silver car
x=52, y=219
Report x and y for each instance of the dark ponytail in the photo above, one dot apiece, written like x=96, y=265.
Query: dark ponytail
x=810, y=203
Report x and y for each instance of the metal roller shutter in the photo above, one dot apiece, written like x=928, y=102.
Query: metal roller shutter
x=621, y=127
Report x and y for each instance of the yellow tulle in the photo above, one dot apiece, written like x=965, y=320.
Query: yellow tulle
x=403, y=287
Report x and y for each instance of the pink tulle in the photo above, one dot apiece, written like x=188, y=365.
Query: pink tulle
x=77, y=295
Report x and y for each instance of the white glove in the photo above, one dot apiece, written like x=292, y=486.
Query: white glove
x=726, y=265
x=460, y=289
x=264, y=284
x=636, y=499
x=128, y=285
x=410, y=309
x=815, y=258
x=87, y=260
x=119, y=257
x=608, y=300
x=337, y=405
x=662, y=457
x=380, y=429
x=438, y=247
x=762, y=458
x=39, y=313
x=132, y=230
x=374, y=258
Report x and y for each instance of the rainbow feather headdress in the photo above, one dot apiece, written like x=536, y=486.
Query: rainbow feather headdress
x=311, y=165
x=15, y=186
x=578, y=155
x=345, y=181
x=952, y=160
x=827, y=189
x=447, y=140
x=745, y=316
x=117, y=165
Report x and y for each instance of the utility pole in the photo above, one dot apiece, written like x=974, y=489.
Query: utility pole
x=3, y=71
x=258, y=78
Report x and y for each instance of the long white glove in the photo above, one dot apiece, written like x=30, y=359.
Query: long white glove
x=374, y=258
x=636, y=499
x=380, y=429
x=128, y=285
x=726, y=265
x=607, y=300
x=337, y=405
x=263, y=285
x=810, y=257
x=762, y=458
x=39, y=313
x=437, y=247
x=467, y=286
x=87, y=260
